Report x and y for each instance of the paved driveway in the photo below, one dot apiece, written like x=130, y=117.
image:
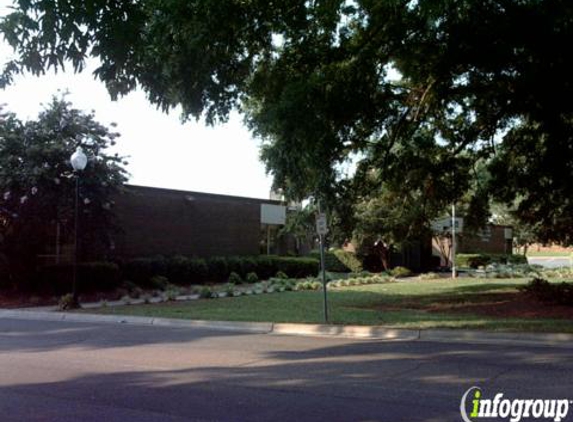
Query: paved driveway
x=550, y=262
x=56, y=371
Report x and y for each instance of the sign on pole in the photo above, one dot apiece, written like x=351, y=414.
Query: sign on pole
x=444, y=225
x=321, y=226
x=322, y=230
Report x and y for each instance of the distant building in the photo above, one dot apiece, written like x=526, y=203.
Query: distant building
x=491, y=239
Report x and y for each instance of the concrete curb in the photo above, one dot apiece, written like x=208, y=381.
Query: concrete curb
x=469, y=336
x=346, y=331
x=244, y=327
x=313, y=330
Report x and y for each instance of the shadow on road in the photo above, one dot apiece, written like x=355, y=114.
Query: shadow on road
x=189, y=374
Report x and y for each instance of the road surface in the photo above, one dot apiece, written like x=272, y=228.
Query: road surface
x=56, y=371
x=550, y=261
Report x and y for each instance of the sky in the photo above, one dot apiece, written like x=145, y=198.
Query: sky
x=162, y=152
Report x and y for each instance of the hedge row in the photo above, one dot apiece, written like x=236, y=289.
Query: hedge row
x=92, y=277
x=481, y=260
x=184, y=270
x=105, y=276
x=339, y=261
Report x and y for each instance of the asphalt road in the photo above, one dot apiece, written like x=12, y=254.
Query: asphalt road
x=56, y=371
x=550, y=262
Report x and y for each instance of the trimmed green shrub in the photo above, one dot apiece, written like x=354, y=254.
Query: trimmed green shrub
x=140, y=270
x=217, y=268
x=472, y=260
x=248, y=265
x=516, y=259
x=159, y=282
x=308, y=285
x=400, y=272
x=206, y=293
x=129, y=285
x=234, y=264
x=252, y=278
x=430, y=276
x=294, y=267
x=182, y=270
x=177, y=269
x=482, y=260
x=266, y=266
x=92, y=277
x=282, y=284
x=67, y=302
x=235, y=278
x=280, y=274
x=171, y=293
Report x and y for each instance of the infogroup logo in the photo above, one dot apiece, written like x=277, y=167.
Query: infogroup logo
x=474, y=406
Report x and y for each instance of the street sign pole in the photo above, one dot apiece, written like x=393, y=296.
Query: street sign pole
x=323, y=274
x=453, y=241
x=322, y=229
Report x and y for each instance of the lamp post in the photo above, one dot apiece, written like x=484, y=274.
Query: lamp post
x=79, y=161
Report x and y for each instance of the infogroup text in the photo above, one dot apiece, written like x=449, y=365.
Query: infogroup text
x=474, y=406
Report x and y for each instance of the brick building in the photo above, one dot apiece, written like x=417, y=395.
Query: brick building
x=155, y=221
x=492, y=239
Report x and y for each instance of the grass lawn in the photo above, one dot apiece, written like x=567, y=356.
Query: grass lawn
x=493, y=304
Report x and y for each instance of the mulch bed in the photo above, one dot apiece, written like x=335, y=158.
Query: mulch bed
x=498, y=305
x=12, y=300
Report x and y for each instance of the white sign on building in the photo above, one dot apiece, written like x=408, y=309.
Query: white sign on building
x=273, y=214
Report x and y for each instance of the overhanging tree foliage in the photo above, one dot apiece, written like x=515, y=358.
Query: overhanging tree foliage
x=392, y=82
x=37, y=188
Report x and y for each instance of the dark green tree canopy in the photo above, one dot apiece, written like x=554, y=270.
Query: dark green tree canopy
x=37, y=187
x=417, y=91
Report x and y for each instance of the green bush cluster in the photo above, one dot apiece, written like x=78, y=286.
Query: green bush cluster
x=361, y=281
x=543, y=290
x=159, y=282
x=507, y=271
x=67, y=302
x=430, y=276
x=558, y=272
x=251, y=278
x=183, y=270
x=280, y=274
x=234, y=278
x=207, y=293
x=482, y=260
x=400, y=272
x=309, y=284
x=282, y=284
